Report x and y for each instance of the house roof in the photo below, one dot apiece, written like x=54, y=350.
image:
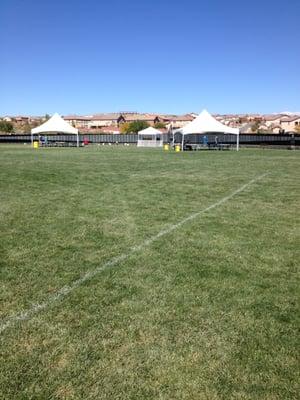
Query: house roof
x=291, y=118
x=76, y=118
x=140, y=117
x=185, y=117
x=20, y=117
x=105, y=117
x=272, y=117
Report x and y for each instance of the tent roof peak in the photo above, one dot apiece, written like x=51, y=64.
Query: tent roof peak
x=205, y=123
x=55, y=124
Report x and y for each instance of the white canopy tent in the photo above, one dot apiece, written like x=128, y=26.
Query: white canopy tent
x=205, y=123
x=56, y=124
x=150, y=137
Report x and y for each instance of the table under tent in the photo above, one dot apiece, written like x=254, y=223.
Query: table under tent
x=150, y=137
x=205, y=123
x=56, y=124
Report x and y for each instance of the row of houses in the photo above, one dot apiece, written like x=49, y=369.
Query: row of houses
x=22, y=119
x=252, y=123
x=111, y=122
x=276, y=123
x=287, y=123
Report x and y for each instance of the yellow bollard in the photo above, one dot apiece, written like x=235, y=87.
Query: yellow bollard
x=35, y=144
x=177, y=148
x=166, y=147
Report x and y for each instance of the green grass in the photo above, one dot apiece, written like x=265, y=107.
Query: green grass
x=208, y=311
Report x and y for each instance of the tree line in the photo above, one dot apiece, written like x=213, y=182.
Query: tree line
x=136, y=126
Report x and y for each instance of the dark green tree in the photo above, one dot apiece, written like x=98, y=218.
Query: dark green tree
x=159, y=125
x=136, y=126
x=26, y=128
x=6, y=126
x=255, y=126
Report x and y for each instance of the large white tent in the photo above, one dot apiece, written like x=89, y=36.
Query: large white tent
x=206, y=123
x=150, y=137
x=56, y=124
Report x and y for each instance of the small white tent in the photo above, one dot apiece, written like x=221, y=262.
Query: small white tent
x=56, y=124
x=150, y=137
x=205, y=123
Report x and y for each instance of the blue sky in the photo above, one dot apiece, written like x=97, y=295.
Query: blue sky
x=158, y=56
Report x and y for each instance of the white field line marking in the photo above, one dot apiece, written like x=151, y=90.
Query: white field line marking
x=65, y=290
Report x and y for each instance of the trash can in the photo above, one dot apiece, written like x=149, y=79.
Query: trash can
x=35, y=144
x=177, y=148
x=166, y=147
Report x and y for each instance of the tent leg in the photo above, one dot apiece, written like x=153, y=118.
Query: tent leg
x=237, y=142
x=77, y=140
x=31, y=140
x=173, y=138
x=182, y=142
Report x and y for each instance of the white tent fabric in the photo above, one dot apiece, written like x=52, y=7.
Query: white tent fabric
x=205, y=123
x=150, y=137
x=149, y=131
x=56, y=124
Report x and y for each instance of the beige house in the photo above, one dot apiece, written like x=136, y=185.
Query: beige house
x=290, y=124
x=101, y=120
x=252, y=117
x=270, y=120
x=151, y=119
x=228, y=119
x=77, y=121
x=21, y=119
x=255, y=127
x=35, y=119
x=178, y=121
x=277, y=129
x=7, y=119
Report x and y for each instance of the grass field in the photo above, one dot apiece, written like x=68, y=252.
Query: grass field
x=209, y=310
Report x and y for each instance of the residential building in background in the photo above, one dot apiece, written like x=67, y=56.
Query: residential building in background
x=270, y=120
x=112, y=122
x=98, y=121
x=291, y=123
x=78, y=121
x=177, y=121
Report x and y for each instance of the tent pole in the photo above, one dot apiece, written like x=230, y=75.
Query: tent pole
x=182, y=141
x=173, y=135
x=31, y=139
x=77, y=139
x=173, y=138
x=237, y=142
